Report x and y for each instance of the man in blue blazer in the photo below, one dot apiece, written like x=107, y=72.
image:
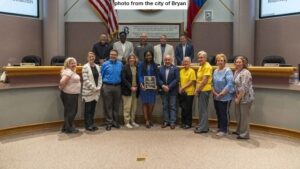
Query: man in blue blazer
x=168, y=78
x=184, y=49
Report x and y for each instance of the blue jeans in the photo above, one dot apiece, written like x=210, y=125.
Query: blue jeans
x=169, y=108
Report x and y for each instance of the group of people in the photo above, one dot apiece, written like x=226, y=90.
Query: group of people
x=124, y=73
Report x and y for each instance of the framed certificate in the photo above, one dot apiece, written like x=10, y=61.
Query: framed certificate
x=150, y=82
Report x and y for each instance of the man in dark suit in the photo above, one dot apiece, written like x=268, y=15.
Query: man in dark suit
x=168, y=78
x=102, y=49
x=184, y=49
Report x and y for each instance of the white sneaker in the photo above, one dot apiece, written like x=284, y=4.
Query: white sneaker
x=135, y=124
x=220, y=134
x=129, y=126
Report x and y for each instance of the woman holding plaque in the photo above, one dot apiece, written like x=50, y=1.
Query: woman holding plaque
x=147, y=73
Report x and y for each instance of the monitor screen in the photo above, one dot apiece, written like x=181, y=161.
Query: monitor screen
x=28, y=8
x=273, y=8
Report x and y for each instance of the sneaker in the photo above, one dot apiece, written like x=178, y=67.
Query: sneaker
x=135, y=124
x=129, y=126
x=220, y=134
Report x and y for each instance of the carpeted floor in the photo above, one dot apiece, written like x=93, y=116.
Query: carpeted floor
x=156, y=148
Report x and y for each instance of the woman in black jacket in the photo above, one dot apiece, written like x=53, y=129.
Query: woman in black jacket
x=130, y=91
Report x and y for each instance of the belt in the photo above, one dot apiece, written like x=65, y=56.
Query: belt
x=112, y=84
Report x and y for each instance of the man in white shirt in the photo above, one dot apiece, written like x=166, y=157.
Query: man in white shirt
x=124, y=47
x=162, y=50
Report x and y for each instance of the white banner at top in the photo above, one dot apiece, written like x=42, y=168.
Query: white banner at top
x=151, y=4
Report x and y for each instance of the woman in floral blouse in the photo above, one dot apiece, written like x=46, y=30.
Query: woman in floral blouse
x=244, y=96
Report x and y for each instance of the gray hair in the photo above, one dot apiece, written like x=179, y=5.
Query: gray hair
x=203, y=53
x=187, y=58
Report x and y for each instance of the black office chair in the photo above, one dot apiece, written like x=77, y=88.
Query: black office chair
x=58, y=61
x=212, y=60
x=32, y=59
x=273, y=59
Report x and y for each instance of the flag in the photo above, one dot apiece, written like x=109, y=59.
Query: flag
x=106, y=10
x=193, y=10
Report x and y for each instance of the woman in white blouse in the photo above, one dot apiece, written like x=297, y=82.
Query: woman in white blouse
x=92, y=82
x=70, y=86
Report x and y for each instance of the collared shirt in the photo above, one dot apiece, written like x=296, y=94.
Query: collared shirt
x=141, y=49
x=205, y=70
x=183, y=50
x=101, y=51
x=185, y=77
x=223, y=79
x=167, y=72
x=111, y=72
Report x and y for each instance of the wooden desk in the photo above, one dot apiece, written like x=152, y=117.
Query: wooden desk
x=43, y=75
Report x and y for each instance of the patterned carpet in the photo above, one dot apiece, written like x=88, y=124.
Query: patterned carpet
x=142, y=148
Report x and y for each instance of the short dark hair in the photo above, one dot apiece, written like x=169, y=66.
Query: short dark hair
x=113, y=50
x=122, y=33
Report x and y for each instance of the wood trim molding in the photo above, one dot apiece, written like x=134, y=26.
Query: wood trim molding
x=14, y=71
x=140, y=120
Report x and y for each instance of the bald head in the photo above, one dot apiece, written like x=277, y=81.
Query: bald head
x=168, y=59
x=143, y=38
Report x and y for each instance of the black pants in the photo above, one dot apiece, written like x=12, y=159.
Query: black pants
x=111, y=103
x=222, y=111
x=186, y=105
x=70, y=102
x=89, y=113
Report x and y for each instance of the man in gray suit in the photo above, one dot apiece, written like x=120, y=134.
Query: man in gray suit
x=144, y=46
x=124, y=47
x=162, y=50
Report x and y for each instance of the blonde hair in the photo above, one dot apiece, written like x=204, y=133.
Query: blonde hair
x=221, y=56
x=244, y=61
x=68, y=61
x=135, y=58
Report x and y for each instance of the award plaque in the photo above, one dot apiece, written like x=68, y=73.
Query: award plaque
x=150, y=82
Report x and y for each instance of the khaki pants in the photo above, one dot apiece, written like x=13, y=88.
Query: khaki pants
x=129, y=103
x=242, y=112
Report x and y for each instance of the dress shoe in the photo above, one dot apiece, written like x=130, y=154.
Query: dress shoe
x=164, y=125
x=63, y=130
x=148, y=124
x=187, y=127
x=95, y=128
x=172, y=126
x=151, y=124
x=89, y=128
x=108, y=128
x=235, y=133
x=242, y=138
x=200, y=132
x=72, y=131
x=116, y=126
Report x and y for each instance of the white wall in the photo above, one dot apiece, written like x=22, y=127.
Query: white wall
x=83, y=12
